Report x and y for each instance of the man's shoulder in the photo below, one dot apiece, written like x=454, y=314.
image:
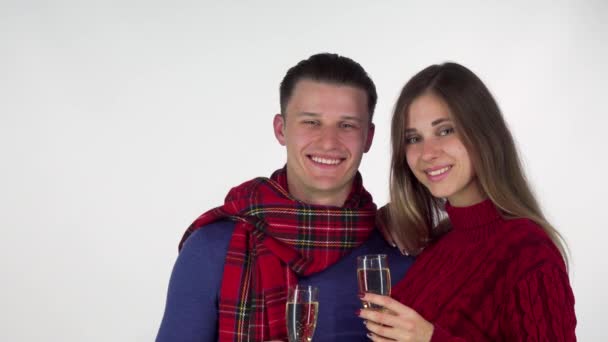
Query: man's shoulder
x=377, y=244
x=214, y=235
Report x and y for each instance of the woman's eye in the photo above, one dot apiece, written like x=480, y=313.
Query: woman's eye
x=411, y=140
x=446, y=131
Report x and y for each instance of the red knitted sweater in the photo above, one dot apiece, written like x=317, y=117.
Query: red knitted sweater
x=491, y=279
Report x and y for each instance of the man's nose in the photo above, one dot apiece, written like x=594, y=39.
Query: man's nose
x=330, y=137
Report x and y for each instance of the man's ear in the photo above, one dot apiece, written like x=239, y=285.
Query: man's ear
x=279, y=128
x=370, y=137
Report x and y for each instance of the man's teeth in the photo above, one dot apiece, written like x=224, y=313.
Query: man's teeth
x=438, y=172
x=325, y=161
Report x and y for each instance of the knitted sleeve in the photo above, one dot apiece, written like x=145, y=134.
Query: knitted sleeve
x=540, y=307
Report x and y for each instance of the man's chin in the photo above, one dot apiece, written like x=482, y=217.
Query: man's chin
x=329, y=185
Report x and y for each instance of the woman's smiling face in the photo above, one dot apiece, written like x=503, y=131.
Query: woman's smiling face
x=436, y=154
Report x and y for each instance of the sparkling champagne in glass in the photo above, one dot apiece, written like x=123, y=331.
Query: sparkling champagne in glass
x=301, y=310
x=374, y=276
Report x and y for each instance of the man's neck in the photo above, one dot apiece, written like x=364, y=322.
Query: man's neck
x=326, y=198
x=322, y=200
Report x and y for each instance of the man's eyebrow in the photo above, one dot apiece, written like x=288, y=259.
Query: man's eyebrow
x=343, y=117
x=308, y=114
x=352, y=118
x=438, y=121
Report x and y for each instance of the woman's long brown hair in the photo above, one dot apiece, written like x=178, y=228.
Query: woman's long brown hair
x=414, y=215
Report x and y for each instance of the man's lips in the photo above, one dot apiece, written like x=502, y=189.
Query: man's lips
x=325, y=160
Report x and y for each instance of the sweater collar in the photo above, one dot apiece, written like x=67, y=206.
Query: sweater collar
x=472, y=217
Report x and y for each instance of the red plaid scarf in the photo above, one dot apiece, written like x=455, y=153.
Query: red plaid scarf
x=275, y=239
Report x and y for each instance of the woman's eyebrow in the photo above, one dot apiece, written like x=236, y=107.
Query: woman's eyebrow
x=438, y=121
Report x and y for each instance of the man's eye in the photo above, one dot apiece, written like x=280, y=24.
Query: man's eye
x=347, y=125
x=446, y=131
x=310, y=122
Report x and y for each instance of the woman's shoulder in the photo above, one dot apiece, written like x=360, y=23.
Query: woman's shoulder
x=525, y=232
x=525, y=227
x=528, y=246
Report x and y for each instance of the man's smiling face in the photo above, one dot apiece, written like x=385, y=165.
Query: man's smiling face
x=326, y=129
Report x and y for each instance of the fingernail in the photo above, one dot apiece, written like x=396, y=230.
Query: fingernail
x=361, y=295
x=394, y=245
x=369, y=335
x=358, y=312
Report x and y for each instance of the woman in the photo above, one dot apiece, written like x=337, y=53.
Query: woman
x=490, y=267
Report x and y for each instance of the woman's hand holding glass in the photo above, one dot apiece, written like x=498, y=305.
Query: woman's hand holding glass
x=397, y=323
x=373, y=275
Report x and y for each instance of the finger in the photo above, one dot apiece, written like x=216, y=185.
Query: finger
x=380, y=318
x=381, y=300
x=379, y=331
x=377, y=338
x=399, y=244
x=387, y=303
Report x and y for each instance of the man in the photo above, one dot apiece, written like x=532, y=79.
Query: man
x=306, y=224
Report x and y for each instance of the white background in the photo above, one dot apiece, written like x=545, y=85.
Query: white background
x=122, y=121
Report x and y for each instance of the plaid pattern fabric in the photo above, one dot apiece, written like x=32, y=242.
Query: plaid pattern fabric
x=275, y=239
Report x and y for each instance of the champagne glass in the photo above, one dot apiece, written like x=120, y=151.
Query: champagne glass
x=301, y=310
x=374, y=276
